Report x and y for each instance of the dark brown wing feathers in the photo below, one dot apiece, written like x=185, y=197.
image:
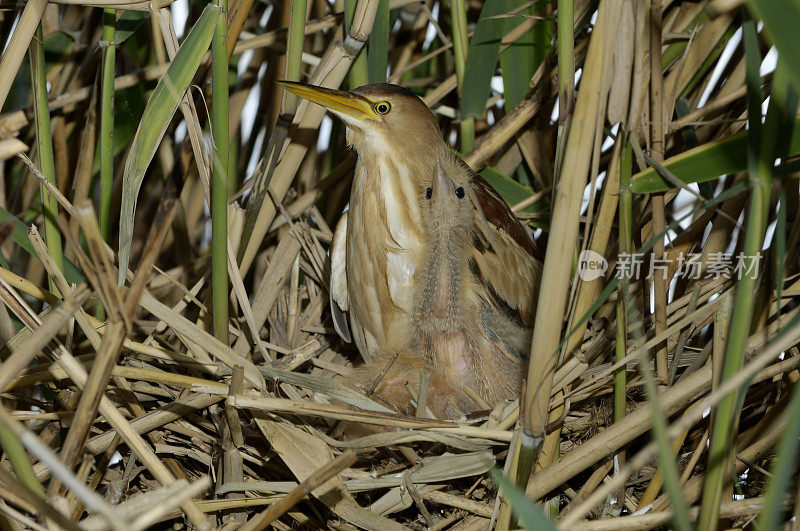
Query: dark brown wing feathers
x=500, y=215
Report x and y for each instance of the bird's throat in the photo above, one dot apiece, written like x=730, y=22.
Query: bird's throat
x=389, y=187
x=441, y=300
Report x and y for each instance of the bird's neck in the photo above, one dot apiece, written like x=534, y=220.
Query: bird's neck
x=409, y=164
x=447, y=265
x=443, y=284
x=387, y=192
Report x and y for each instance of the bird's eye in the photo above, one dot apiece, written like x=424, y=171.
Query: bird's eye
x=460, y=192
x=383, y=107
x=429, y=192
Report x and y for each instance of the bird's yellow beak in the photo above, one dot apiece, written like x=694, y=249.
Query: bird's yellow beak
x=345, y=104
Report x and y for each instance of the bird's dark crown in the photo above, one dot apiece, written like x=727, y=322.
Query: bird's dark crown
x=383, y=89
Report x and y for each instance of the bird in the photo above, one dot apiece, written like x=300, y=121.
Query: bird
x=378, y=246
x=463, y=343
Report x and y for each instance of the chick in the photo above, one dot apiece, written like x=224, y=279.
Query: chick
x=470, y=344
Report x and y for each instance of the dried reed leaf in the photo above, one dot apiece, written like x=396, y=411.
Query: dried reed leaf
x=302, y=453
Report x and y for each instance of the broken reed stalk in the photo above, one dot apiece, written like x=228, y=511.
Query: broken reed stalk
x=79, y=375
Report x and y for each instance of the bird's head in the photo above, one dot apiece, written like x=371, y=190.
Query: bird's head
x=380, y=116
x=447, y=207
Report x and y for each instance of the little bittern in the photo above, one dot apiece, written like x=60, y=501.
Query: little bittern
x=459, y=337
x=378, y=246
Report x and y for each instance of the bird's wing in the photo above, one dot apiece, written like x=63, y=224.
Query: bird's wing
x=505, y=256
x=338, y=285
x=498, y=213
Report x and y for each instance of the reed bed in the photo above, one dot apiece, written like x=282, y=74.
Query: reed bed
x=169, y=359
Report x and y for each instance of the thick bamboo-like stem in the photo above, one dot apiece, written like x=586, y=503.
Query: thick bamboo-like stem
x=566, y=60
x=359, y=71
x=563, y=237
x=219, y=175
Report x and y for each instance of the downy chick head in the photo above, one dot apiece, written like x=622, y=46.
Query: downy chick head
x=448, y=213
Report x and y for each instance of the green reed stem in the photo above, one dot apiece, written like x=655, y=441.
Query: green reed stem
x=294, y=51
x=107, y=131
x=458, y=14
x=219, y=177
x=107, y=123
x=566, y=75
x=44, y=144
x=625, y=246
